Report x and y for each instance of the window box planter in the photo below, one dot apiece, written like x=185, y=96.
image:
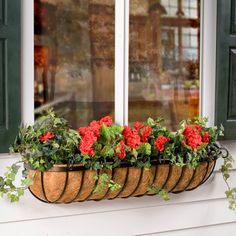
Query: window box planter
x=63, y=184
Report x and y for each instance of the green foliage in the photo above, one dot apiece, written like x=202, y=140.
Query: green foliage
x=110, y=135
x=105, y=183
x=7, y=183
x=225, y=170
x=144, y=149
x=114, y=186
x=160, y=192
x=154, y=123
x=51, y=141
x=42, y=155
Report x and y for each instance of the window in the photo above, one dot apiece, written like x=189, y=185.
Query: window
x=164, y=39
x=75, y=66
x=74, y=58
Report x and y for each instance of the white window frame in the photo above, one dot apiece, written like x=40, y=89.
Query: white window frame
x=207, y=60
x=27, y=65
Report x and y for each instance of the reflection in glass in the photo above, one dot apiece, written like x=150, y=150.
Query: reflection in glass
x=74, y=58
x=164, y=60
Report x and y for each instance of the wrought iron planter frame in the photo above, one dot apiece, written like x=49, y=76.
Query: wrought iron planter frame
x=156, y=164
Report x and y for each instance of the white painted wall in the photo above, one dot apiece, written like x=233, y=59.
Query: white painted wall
x=202, y=211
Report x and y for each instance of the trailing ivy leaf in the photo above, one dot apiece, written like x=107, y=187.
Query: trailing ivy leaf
x=95, y=177
x=20, y=192
x=221, y=130
x=158, y=191
x=8, y=187
x=104, y=179
x=13, y=197
x=2, y=182
x=225, y=170
x=27, y=182
x=114, y=186
x=103, y=183
x=164, y=195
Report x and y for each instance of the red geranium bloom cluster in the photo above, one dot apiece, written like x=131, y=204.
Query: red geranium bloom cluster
x=193, y=137
x=120, y=150
x=132, y=137
x=135, y=137
x=107, y=120
x=46, y=136
x=160, y=143
x=145, y=131
x=138, y=125
x=91, y=133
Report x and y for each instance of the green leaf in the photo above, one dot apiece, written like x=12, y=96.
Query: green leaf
x=104, y=178
x=104, y=131
x=134, y=153
x=150, y=122
x=103, y=182
x=15, y=168
x=13, y=197
x=161, y=192
x=144, y=148
x=2, y=182
x=114, y=186
x=20, y=192
x=117, y=129
x=27, y=182
x=95, y=177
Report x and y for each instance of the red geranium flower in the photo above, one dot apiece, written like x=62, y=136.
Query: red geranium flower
x=120, y=150
x=132, y=137
x=146, y=133
x=192, y=136
x=206, y=137
x=107, y=120
x=83, y=130
x=138, y=125
x=86, y=144
x=95, y=127
x=160, y=143
x=198, y=127
x=46, y=136
x=91, y=133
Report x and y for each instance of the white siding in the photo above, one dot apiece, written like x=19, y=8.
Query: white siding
x=216, y=230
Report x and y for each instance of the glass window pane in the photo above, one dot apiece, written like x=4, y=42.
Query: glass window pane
x=164, y=60
x=74, y=58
